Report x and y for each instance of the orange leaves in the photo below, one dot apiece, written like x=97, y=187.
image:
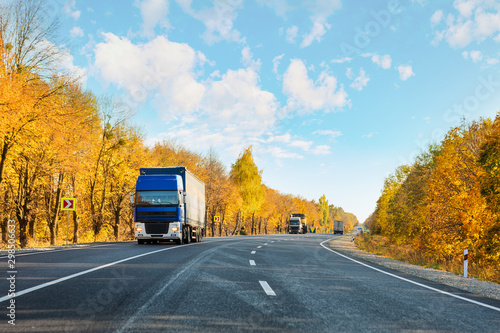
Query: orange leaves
x=450, y=198
x=457, y=210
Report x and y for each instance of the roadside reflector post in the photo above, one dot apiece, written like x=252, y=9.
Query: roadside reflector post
x=353, y=241
x=68, y=204
x=465, y=262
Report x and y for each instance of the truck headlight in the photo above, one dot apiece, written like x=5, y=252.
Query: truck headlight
x=175, y=229
x=138, y=229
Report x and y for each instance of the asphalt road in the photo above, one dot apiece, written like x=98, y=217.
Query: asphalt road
x=274, y=283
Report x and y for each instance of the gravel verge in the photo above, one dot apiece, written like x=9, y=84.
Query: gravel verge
x=473, y=285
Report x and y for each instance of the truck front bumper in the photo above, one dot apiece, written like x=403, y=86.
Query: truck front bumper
x=174, y=232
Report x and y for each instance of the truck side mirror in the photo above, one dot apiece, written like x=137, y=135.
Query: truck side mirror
x=132, y=197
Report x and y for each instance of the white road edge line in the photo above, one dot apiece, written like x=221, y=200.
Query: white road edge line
x=269, y=291
x=410, y=281
x=50, y=283
x=252, y=262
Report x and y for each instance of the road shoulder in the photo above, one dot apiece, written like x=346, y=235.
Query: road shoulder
x=483, y=288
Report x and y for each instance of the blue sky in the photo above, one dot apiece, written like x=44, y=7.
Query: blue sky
x=333, y=95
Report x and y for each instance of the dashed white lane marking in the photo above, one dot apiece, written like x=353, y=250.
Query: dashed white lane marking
x=269, y=291
x=252, y=262
x=265, y=244
x=259, y=247
x=253, y=252
x=410, y=281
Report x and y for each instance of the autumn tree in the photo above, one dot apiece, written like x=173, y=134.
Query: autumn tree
x=323, y=208
x=490, y=189
x=248, y=180
x=27, y=56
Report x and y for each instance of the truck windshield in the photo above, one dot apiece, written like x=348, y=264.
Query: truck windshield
x=157, y=198
x=294, y=222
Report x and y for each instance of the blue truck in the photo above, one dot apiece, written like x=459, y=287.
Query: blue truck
x=169, y=206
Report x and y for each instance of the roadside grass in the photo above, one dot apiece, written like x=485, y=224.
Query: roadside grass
x=382, y=246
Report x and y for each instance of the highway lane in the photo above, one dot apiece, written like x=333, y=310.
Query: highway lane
x=276, y=283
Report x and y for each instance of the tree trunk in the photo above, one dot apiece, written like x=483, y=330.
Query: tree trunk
x=212, y=224
x=221, y=223
x=53, y=237
x=3, y=157
x=4, y=229
x=75, y=227
x=116, y=226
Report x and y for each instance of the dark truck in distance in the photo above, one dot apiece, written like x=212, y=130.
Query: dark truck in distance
x=297, y=224
x=169, y=206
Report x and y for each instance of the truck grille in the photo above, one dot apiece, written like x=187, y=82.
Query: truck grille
x=157, y=228
x=156, y=216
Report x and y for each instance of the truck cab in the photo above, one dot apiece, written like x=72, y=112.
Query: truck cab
x=159, y=209
x=169, y=206
x=295, y=225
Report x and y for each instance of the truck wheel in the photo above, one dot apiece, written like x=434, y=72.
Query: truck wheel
x=180, y=240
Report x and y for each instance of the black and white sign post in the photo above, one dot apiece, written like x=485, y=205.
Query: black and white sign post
x=465, y=262
x=68, y=204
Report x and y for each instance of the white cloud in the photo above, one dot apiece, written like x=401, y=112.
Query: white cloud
x=247, y=59
x=361, y=81
x=276, y=63
x=218, y=19
x=159, y=65
x=281, y=153
x=476, y=20
x=333, y=134
x=421, y=2
x=69, y=9
x=304, y=145
x=319, y=11
x=437, y=17
x=405, y=72
x=349, y=73
x=341, y=60
x=476, y=56
x=285, y=138
x=306, y=95
x=492, y=61
x=318, y=30
x=291, y=34
x=154, y=13
x=279, y=6
x=321, y=150
x=369, y=135
x=384, y=61
x=65, y=62
x=76, y=32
